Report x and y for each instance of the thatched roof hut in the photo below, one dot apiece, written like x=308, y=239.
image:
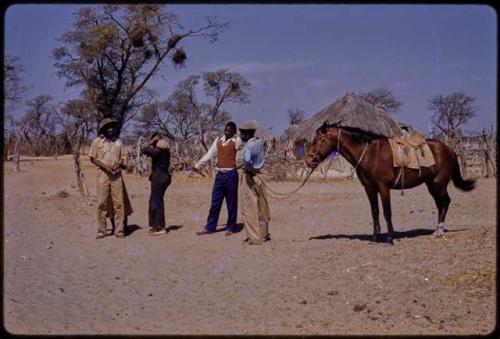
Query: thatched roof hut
x=350, y=111
x=263, y=132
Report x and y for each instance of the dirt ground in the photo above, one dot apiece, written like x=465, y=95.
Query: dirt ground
x=320, y=274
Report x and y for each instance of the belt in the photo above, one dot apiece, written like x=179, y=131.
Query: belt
x=224, y=170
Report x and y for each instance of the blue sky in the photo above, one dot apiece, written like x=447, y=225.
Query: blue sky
x=306, y=56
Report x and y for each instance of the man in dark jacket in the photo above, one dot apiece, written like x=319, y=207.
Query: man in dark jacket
x=160, y=178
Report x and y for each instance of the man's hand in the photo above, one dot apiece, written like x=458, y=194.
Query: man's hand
x=198, y=171
x=107, y=168
x=155, y=137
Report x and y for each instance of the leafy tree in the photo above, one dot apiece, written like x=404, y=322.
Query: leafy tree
x=114, y=50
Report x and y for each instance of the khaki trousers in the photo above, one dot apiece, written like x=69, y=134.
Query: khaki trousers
x=110, y=186
x=254, y=207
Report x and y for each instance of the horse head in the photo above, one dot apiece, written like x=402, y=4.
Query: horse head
x=323, y=144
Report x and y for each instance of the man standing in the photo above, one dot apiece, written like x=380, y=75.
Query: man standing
x=226, y=179
x=107, y=153
x=160, y=178
x=255, y=208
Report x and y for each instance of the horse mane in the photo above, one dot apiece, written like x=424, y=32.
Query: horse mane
x=360, y=136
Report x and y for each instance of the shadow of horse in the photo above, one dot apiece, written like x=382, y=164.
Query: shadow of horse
x=369, y=238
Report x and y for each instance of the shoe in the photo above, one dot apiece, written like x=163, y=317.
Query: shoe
x=203, y=232
x=120, y=234
x=229, y=233
x=109, y=232
x=157, y=232
x=250, y=242
x=100, y=235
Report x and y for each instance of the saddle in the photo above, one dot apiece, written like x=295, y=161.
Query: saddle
x=411, y=150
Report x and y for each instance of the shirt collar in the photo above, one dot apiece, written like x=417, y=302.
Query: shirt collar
x=232, y=138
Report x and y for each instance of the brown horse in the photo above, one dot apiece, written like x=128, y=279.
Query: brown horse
x=371, y=157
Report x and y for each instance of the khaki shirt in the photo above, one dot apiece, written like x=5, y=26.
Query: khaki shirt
x=106, y=151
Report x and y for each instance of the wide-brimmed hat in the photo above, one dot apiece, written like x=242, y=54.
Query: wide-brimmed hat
x=248, y=126
x=162, y=143
x=106, y=122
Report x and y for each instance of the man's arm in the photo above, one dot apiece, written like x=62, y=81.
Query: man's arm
x=212, y=152
x=93, y=157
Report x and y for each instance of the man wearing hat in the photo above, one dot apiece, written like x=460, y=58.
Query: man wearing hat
x=255, y=208
x=157, y=148
x=107, y=153
x=226, y=179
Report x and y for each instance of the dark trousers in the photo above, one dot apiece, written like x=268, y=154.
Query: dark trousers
x=156, y=206
x=225, y=186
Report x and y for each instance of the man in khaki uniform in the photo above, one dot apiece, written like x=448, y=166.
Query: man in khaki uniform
x=255, y=208
x=107, y=153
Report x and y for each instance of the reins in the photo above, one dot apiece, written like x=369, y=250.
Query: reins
x=309, y=174
x=291, y=192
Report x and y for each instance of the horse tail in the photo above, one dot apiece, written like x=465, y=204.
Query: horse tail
x=458, y=181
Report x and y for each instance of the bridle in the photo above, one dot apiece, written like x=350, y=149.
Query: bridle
x=324, y=136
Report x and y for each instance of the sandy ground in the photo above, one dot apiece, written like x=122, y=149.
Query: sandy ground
x=319, y=275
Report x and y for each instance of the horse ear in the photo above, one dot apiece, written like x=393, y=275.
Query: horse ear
x=323, y=127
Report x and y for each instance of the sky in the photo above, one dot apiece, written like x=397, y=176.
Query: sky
x=304, y=56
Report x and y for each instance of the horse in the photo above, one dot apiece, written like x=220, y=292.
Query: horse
x=371, y=156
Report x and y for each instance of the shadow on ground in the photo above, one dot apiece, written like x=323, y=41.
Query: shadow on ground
x=368, y=237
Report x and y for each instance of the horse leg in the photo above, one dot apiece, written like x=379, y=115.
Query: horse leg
x=442, y=200
x=385, y=196
x=372, y=197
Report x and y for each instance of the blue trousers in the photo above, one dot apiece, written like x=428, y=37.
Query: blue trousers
x=225, y=186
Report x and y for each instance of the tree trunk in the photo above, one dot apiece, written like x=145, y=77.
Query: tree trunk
x=18, y=156
x=138, y=165
x=80, y=178
x=17, y=150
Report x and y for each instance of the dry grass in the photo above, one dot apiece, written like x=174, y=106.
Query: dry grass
x=478, y=282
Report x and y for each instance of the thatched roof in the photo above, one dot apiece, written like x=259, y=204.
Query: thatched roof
x=350, y=111
x=262, y=132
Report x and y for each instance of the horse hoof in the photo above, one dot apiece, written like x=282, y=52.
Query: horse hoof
x=438, y=234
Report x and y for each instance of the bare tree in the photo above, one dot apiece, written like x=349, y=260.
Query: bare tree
x=183, y=116
x=40, y=124
x=192, y=124
x=14, y=135
x=451, y=114
x=383, y=99
x=155, y=117
x=114, y=50
x=296, y=116
x=13, y=87
x=77, y=122
x=222, y=87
